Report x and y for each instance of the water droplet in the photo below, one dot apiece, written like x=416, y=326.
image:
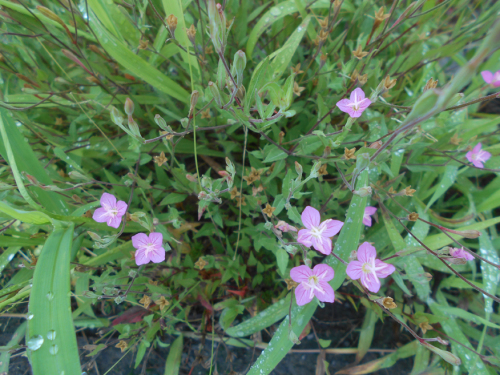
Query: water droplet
x=275, y=12
x=51, y=335
x=29, y=316
x=53, y=349
x=35, y=342
x=50, y=296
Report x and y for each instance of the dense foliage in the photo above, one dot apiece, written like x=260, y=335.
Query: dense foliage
x=157, y=156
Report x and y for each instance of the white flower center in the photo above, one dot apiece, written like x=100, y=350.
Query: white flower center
x=474, y=156
x=316, y=231
x=113, y=212
x=313, y=284
x=149, y=248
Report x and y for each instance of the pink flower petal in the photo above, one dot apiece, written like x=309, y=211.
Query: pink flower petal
x=460, y=253
x=477, y=163
x=344, y=105
x=305, y=237
x=328, y=295
x=484, y=155
x=302, y=295
x=115, y=221
x=370, y=210
x=100, y=215
x=332, y=227
x=322, y=244
x=477, y=148
x=357, y=95
x=364, y=104
x=310, y=217
x=156, y=239
x=370, y=282
x=487, y=76
x=367, y=220
x=141, y=257
x=108, y=200
x=121, y=206
x=324, y=272
x=366, y=252
x=469, y=156
x=300, y=273
x=140, y=240
x=157, y=255
x=383, y=269
x=354, y=269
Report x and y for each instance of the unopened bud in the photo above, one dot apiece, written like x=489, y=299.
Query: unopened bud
x=376, y=145
x=49, y=14
x=285, y=227
x=32, y=179
x=129, y=107
x=322, y=60
x=161, y=122
x=194, y=100
x=464, y=233
x=298, y=168
x=364, y=191
x=192, y=177
x=94, y=236
x=240, y=62
x=413, y=216
x=215, y=93
x=327, y=151
x=172, y=24
x=281, y=135
x=353, y=256
x=75, y=175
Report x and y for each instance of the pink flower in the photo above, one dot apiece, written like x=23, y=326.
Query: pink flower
x=313, y=282
x=111, y=211
x=460, y=253
x=149, y=249
x=369, y=269
x=356, y=104
x=478, y=156
x=369, y=211
x=285, y=227
x=491, y=78
x=318, y=234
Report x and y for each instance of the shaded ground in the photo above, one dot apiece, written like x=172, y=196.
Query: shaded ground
x=338, y=322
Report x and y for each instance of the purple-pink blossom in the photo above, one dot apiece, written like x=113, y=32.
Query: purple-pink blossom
x=318, y=234
x=313, y=282
x=460, y=253
x=367, y=217
x=478, y=156
x=356, y=104
x=285, y=227
x=111, y=211
x=149, y=248
x=491, y=78
x=369, y=269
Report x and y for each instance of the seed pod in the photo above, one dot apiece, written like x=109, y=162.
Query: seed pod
x=215, y=93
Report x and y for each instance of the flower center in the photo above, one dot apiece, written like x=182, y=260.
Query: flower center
x=474, y=157
x=113, y=212
x=149, y=247
x=316, y=232
x=313, y=280
x=367, y=268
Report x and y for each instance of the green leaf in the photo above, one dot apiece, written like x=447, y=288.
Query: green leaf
x=136, y=65
x=51, y=308
x=174, y=357
x=173, y=198
x=366, y=334
x=273, y=154
x=31, y=217
x=262, y=320
x=448, y=179
x=491, y=274
x=282, y=259
x=282, y=57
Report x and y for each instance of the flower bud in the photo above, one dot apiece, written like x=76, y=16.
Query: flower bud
x=215, y=93
x=240, y=62
x=129, y=107
x=94, y=236
x=191, y=34
x=464, y=233
x=172, y=24
x=298, y=168
x=364, y=191
x=376, y=145
x=285, y=227
x=194, y=100
x=161, y=122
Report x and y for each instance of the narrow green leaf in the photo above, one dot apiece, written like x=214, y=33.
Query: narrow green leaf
x=174, y=357
x=31, y=217
x=136, y=65
x=50, y=305
x=14, y=341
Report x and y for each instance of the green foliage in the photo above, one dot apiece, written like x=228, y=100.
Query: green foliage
x=215, y=126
